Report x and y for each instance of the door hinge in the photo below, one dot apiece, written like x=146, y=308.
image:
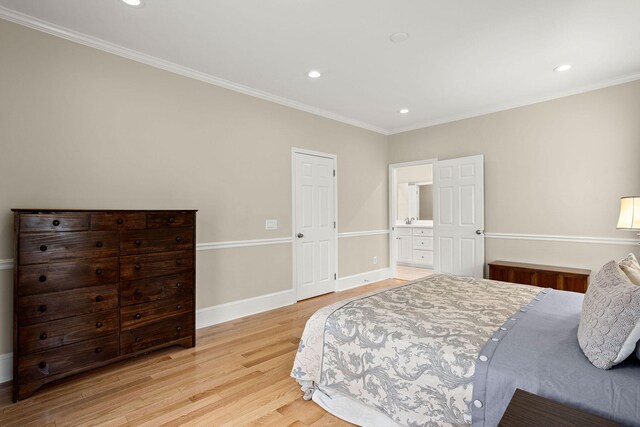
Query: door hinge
x=334, y=224
x=335, y=276
x=334, y=172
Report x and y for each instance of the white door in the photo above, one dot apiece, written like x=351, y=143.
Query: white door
x=458, y=216
x=314, y=225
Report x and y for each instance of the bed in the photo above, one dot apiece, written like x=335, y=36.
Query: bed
x=450, y=351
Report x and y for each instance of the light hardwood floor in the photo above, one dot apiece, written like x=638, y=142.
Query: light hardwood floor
x=238, y=374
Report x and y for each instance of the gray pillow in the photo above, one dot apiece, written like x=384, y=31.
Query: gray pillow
x=610, y=323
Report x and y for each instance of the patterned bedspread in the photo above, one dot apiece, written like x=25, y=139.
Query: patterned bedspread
x=410, y=351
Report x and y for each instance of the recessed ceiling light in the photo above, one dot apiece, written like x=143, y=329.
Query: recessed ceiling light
x=563, y=67
x=132, y=2
x=404, y=111
x=313, y=74
x=398, y=37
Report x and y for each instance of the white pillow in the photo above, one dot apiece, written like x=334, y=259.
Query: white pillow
x=631, y=268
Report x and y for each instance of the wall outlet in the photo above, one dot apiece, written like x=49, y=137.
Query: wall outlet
x=375, y=260
x=271, y=224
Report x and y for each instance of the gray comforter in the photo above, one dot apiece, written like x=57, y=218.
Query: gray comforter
x=410, y=352
x=538, y=352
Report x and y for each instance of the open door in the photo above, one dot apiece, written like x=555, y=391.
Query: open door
x=458, y=216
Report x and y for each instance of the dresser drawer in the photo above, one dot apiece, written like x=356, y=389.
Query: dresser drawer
x=156, y=333
x=134, y=316
x=134, y=267
x=57, y=333
x=146, y=241
x=45, y=307
x=423, y=231
x=53, y=222
x=60, y=276
x=118, y=221
x=147, y=290
x=66, y=359
x=423, y=257
x=47, y=247
x=423, y=243
x=170, y=219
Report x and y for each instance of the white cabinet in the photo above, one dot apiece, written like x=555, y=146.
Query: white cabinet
x=414, y=246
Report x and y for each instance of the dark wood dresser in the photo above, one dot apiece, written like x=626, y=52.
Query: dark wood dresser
x=546, y=276
x=94, y=287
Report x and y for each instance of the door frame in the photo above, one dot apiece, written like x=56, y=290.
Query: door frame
x=393, y=256
x=334, y=158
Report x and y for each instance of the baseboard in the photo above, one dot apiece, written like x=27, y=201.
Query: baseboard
x=233, y=310
x=6, y=367
x=366, y=278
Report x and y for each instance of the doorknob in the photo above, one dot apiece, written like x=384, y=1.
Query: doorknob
x=300, y=235
x=479, y=232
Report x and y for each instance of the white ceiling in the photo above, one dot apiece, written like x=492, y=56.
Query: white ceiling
x=463, y=57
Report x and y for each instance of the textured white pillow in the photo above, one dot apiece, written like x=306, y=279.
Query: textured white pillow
x=631, y=268
x=610, y=322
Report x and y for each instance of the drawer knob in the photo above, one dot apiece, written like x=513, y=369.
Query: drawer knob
x=172, y=220
x=178, y=262
x=99, y=298
x=178, y=239
x=137, y=242
x=98, y=350
x=120, y=221
x=99, y=271
x=43, y=336
x=99, y=244
x=43, y=248
x=98, y=325
x=42, y=278
x=137, y=292
x=178, y=285
x=178, y=328
x=42, y=308
x=178, y=307
x=42, y=365
x=138, y=316
x=56, y=223
x=138, y=339
x=137, y=267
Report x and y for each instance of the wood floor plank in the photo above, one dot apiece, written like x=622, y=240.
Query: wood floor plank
x=238, y=374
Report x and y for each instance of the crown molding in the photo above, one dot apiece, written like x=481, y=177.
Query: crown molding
x=96, y=43
x=512, y=105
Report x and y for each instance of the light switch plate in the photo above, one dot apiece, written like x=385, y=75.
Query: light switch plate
x=271, y=224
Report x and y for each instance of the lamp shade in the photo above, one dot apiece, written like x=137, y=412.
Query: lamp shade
x=629, y=213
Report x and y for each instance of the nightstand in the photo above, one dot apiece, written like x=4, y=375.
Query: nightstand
x=531, y=410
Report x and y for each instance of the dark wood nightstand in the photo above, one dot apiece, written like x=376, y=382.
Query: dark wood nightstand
x=546, y=276
x=531, y=410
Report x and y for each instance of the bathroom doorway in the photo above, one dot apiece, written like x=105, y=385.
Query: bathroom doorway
x=411, y=219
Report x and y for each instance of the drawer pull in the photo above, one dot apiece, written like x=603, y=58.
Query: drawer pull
x=178, y=328
x=137, y=292
x=178, y=285
x=42, y=365
x=172, y=220
x=99, y=271
x=99, y=298
x=179, y=239
x=137, y=242
x=43, y=336
x=137, y=267
x=120, y=221
x=178, y=262
x=98, y=325
x=42, y=278
x=178, y=307
x=42, y=308
x=99, y=244
x=56, y=223
x=98, y=350
x=43, y=248
x=138, y=316
x=138, y=339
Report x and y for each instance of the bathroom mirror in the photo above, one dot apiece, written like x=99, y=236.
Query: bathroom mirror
x=415, y=200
